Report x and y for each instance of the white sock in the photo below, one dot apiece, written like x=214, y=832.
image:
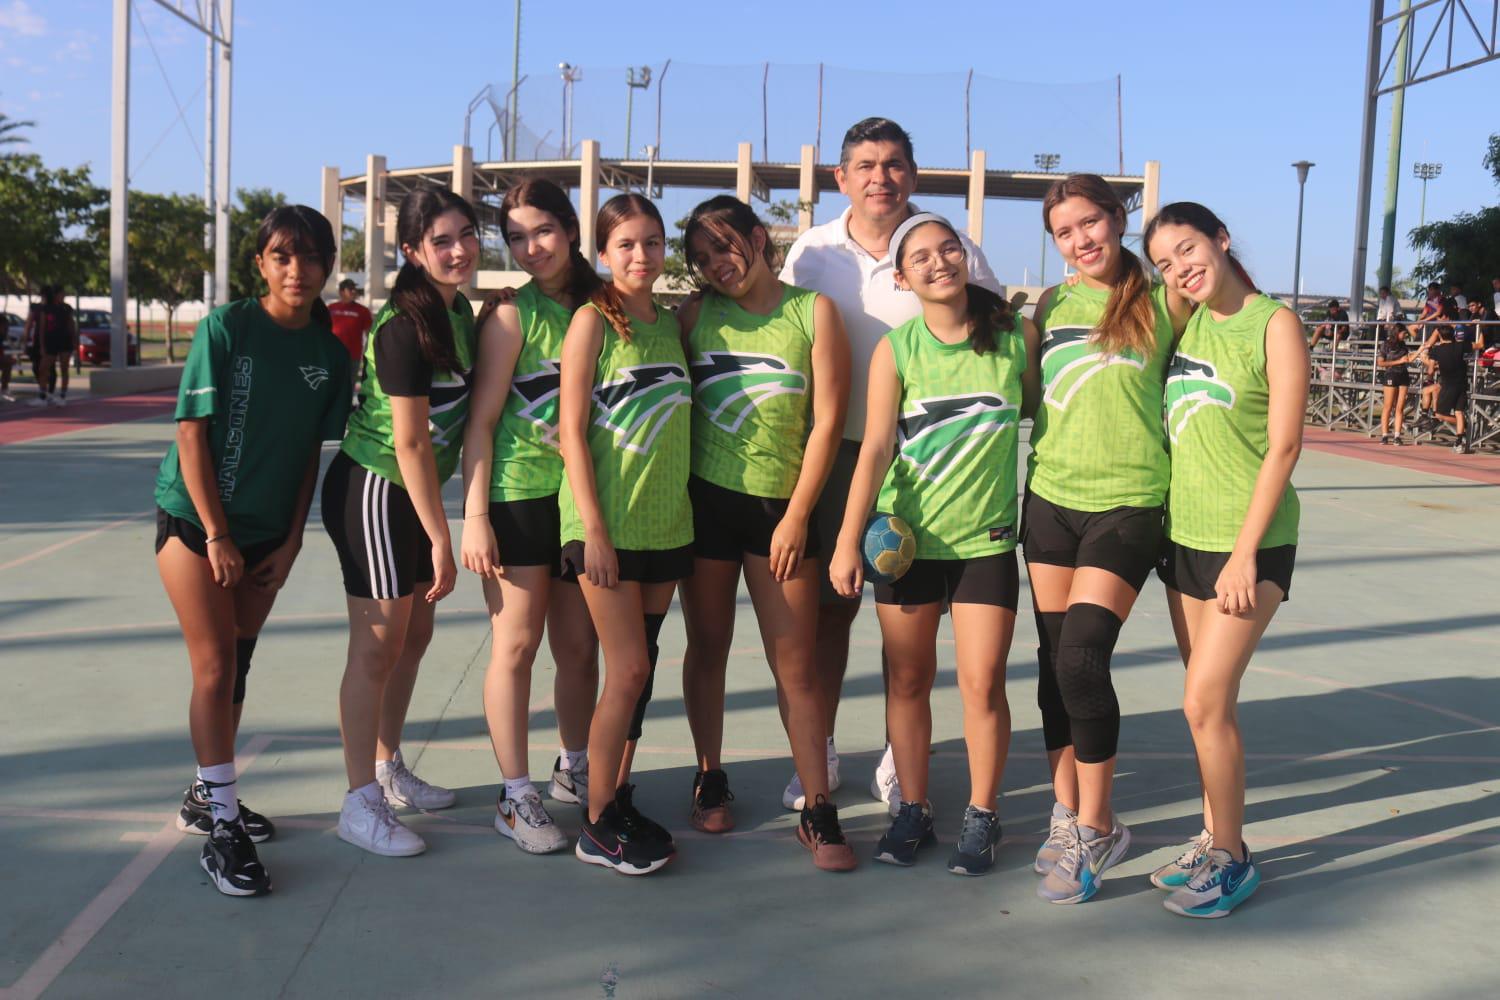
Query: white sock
x=223, y=798
x=833, y=751
x=371, y=793
x=887, y=760
x=572, y=760
x=383, y=766
x=517, y=787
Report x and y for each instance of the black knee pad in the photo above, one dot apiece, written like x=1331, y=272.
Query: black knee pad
x=653, y=630
x=243, y=650
x=1088, y=639
x=1056, y=732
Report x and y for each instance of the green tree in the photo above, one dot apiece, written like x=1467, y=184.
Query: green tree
x=46, y=216
x=1463, y=250
x=352, y=253
x=10, y=130
x=167, y=258
x=244, y=220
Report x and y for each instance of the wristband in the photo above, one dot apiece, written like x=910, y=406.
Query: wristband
x=216, y=538
x=484, y=513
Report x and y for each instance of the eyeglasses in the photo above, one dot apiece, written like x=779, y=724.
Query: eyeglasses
x=923, y=262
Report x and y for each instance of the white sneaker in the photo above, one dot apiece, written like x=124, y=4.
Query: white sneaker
x=59, y=401
x=570, y=785
x=885, y=788
x=795, y=799
x=525, y=821
x=6, y=397
x=374, y=827
x=39, y=401
x=406, y=789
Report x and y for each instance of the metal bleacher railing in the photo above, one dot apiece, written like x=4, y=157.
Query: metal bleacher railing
x=1345, y=390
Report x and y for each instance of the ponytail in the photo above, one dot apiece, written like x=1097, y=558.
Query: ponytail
x=1129, y=321
x=416, y=299
x=607, y=300
x=605, y=297
x=321, y=315
x=989, y=316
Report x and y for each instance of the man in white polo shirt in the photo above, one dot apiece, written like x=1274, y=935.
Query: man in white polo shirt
x=847, y=260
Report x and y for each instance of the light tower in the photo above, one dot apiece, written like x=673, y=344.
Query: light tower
x=1045, y=162
x=1425, y=172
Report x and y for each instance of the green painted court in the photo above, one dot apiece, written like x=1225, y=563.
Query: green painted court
x=1371, y=717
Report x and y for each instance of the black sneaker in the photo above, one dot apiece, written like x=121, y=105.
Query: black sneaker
x=819, y=832
x=711, y=798
x=974, y=854
x=643, y=827
x=1385, y=439
x=231, y=862
x=196, y=818
x=911, y=829
x=616, y=843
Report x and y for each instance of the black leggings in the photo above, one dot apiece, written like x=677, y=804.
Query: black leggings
x=653, y=630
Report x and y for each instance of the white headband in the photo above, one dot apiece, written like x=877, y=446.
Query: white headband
x=904, y=230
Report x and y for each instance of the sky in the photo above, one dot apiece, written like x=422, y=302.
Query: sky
x=1225, y=96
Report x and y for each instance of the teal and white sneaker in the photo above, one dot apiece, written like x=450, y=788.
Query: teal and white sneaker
x=1176, y=872
x=1218, y=886
x=1059, y=835
x=1079, y=871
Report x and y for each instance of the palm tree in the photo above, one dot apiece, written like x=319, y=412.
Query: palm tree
x=10, y=130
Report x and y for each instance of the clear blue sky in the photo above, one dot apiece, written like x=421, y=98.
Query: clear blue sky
x=1225, y=96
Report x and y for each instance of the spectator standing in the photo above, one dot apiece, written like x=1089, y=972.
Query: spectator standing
x=1452, y=361
x=56, y=335
x=351, y=321
x=1385, y=309
x=1495, y=286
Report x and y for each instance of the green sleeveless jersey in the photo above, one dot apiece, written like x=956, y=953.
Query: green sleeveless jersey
x=1097, y=442
x=638, y=437
x=370, y=439
x=1217, y=405
x=752, y=399
x=953, y=478
x=527, y=464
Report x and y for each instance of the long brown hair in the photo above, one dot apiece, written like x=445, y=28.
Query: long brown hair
x=728, y=221
x=413, y=294
x=606, y=298
x=1199, y=217
x=545, y=196
x=1129, y=320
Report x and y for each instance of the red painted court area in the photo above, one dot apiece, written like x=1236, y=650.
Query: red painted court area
x=1433, y=459
x=19, y=422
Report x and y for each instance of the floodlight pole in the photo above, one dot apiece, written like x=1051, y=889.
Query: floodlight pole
x=221, y=156
x=1045, y=162
x=1393, y=154
x=1302, y=167
x=119, y=183
x=1366, y=164
x=515, y=87
x=632, y=84
x=1425, y=172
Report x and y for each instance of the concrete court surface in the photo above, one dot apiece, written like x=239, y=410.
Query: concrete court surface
x=1371, y=714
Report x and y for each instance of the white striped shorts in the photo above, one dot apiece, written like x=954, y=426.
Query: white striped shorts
x=382, y=548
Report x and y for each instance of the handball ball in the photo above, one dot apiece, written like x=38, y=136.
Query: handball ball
x=889, y=548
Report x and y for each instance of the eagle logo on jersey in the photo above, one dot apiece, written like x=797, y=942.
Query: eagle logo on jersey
x=1069, y=360
x=1192, y=384
x=639, y=404
x=936, y=432
x=313, y=375
x=536, y=395
x=727, y=386
x=449, y=392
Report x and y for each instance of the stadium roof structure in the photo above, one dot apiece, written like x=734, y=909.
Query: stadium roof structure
x=485, y=184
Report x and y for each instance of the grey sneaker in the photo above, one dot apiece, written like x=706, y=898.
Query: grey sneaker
x=1059, y=835
x=1175, y=873
x=527, y=823
x=974, y=854
x=570, y=784
x=403, y=788
x=1079, y=871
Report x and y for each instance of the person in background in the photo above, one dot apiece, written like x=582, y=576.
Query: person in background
x=1335, y=326
x=1495, y=286
x=55, y=331
x=1456, y=293
x=1391, y=359
x=351, y=321
x=1452, y=360
x=1385, y=309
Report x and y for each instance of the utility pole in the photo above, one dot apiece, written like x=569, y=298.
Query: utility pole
x=1302, y=167
x=515, y=87
x=1045, y=162
x=634, y=80
x=1402, y=60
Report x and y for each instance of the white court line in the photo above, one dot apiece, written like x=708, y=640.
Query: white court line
x=66, y=542
x=92, y=918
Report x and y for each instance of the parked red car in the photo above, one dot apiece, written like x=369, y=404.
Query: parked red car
x=93, y=339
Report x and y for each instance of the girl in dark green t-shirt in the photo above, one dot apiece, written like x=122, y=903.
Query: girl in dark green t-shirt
x=265, y=384
x=383, y=508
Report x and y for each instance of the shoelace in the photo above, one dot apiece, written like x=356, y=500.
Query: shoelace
x=385, y=819
x=825, y=822
x=975, y=835
x=404, y=775
x=529, y=808
x=1206, y=873
x=1194, y=854
x=713, y=790
x=908, y=822
x=1074, y=853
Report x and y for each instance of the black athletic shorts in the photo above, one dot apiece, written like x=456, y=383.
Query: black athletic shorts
x=1123, y=540
x=1452, y=396
x=196, y=539
x=993, y=580
x=1396, y=378
x=1194, y=572
x=727, y=525
x=636, y=565
x=383, y=549
x=527, y=532
x=828, y=515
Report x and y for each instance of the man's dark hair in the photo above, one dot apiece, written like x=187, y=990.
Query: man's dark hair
x=1433, y=286
x=1385, y=289
x=876, y=130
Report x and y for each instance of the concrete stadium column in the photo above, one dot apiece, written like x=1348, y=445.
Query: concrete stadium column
x=1151, y=192
x=588, y=197
x=333, y=211
x=807, y=188
x=744, y=177
x=375, y=228
x=976, y=196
